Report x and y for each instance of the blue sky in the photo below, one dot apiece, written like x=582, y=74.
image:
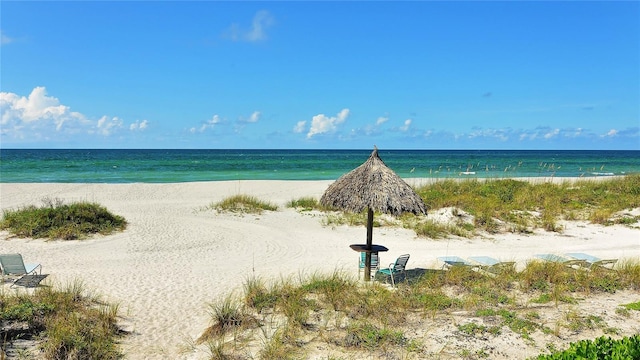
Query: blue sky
x=320, y=75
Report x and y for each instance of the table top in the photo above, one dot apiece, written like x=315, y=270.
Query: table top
x=363, y=248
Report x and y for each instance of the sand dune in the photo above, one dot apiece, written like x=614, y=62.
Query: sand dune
x=175, y=257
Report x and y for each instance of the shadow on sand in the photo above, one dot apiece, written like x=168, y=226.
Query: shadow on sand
x=410, y=276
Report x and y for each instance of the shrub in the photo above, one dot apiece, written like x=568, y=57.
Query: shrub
x=368, y=336
x=507, y=199
x=71, y=325
x=56, y=220
x=600, y=348
x=226, y=315
x=305, y=203
x=243, y=204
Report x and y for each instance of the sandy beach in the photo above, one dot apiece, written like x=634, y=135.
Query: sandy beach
x=176, y=256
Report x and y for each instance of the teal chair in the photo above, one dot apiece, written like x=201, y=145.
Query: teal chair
x=570, y=263
x=375, y=263
x=451, y=261
x=492, y=266
x=398, y=267
x=30, y=275
x=592, y=262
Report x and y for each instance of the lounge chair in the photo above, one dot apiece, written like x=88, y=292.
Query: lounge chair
x=491, y=265
x=30, y=275
x=398, y=267
x=451, y=261
x=375, y=263
x=571, y=263
x=592, y=262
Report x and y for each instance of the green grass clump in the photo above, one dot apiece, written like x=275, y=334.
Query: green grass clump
x=228, y=315
x=632, y=306
x=432, y=230
x=600, y=348
x=436, y=300
x=371, y=319
x=55, y=220
x=305, y=203
x=243, y=204
x=71, y=325
x=368, y=336
x=507, y=205
x=514, y=202
x=472, y=329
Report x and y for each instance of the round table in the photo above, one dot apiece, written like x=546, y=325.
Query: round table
x=363, y=248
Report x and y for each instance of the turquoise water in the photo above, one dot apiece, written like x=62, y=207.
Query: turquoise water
x=161, y=166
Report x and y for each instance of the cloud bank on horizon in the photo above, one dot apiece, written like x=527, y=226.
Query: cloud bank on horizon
x=40, y=118
x=263, y=82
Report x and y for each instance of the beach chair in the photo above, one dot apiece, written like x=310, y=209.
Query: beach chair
x=375, y=263
x=592, y=262
x=492, y=266
x=570, y=263
x=398, y=267
x=451, y=261
x=29, y=275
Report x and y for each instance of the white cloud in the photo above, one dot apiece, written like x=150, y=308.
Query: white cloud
x=406, y=125
x=254, y=117
x=551, y=134
x=500, y=134
x=301, y=126
x=611, y=133
x=37, y=112
x=321, y=124
x=40, y=116
x=37, y=106
x=381, y=120
x=262, y=20
x=207, y=125
x=5, y=39
x=139, y=125
x=107, y=126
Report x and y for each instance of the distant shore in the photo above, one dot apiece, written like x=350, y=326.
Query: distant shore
x=175, y=256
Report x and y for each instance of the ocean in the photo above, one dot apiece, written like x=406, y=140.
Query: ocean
x=163, y=166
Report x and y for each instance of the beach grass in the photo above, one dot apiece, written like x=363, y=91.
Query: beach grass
x=529, y=205
x=508, y=205
x=354, y=318
x=56, y=220
x=65, y=323
x=305, y=204
x=243, y=203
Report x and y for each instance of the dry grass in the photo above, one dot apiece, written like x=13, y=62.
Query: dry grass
x=354, y=319
x=63, y=324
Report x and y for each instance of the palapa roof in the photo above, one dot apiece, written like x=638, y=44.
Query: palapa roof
x=373, y=185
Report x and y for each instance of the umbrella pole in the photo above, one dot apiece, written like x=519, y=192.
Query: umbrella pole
x=367, y=258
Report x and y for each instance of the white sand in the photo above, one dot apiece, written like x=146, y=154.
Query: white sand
x=175, y=257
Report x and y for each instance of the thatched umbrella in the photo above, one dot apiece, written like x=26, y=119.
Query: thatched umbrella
x=375, y=187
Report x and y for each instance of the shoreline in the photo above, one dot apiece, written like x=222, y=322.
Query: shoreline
x=175, y=258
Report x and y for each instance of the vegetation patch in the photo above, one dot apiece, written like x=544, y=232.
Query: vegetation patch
x=305, y=204
x=601, y=348
x=508, y=205
x=63, y=324
x=243, y=204
x=513, y=202
x=56, y=220
x=368, y=336
x=335, y=311
x=632, y=306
